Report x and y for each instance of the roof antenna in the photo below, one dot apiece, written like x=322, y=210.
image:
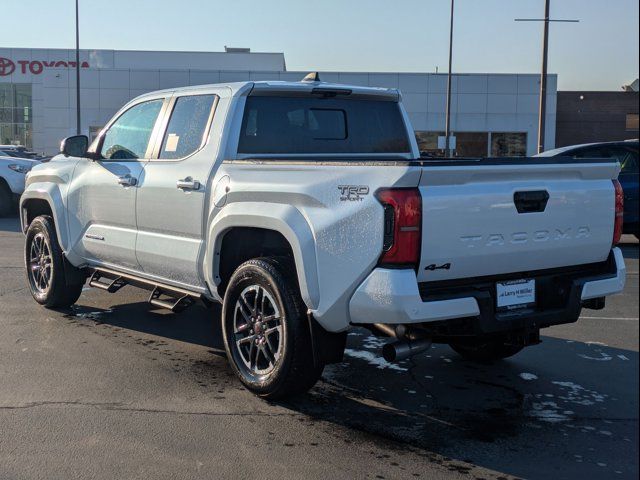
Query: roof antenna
x=311, y=77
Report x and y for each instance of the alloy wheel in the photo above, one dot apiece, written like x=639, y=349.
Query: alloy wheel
x=40, y=263
x=257, y=327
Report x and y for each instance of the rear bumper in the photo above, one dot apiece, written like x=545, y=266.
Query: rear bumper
x=610, y=285
x=394, y=296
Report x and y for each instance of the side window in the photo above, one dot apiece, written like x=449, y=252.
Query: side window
x=591, y=152
x=187, y=126
x=128, y=137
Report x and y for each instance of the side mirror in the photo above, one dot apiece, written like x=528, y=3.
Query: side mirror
x=75, y=146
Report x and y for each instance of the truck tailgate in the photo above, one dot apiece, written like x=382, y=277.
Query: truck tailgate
x=516, y=215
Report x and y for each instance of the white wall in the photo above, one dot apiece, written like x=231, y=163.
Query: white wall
x=143, y=59
x=480, y=102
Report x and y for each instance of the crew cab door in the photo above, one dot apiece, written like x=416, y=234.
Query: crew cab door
x=171, y=201
x=102, y=195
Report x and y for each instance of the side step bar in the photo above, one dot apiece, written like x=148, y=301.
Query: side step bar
x=112, y=286
x=165, y=296
x=175, y=303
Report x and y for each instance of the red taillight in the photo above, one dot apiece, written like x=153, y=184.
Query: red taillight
x=402, y=226
x=617, y=225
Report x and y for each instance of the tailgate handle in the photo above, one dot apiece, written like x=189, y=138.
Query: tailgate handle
x=532, y=201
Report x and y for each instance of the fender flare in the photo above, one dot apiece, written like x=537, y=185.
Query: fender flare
x=50, y=194
x=284, y=219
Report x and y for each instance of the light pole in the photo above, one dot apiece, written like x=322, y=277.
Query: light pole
x=542, y=109
x=447, y=118
x=78, y=129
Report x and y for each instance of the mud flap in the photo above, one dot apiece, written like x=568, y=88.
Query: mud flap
x=328, y=347
x=72, y=275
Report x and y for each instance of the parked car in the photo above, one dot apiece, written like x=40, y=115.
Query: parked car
x=8, y=153
x=12, y=179
x=21, y=152
x=305, y=209
x=625, y=152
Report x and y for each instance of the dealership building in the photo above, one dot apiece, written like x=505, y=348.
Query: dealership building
x=491, y=114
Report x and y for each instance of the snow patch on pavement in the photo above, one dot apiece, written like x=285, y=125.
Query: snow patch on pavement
x=373, y=343
x=373, y=359
x=579, y=395
x=548, y=412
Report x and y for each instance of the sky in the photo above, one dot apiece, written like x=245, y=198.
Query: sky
x=598, y=53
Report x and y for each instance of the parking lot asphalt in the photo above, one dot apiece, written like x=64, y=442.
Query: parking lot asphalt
x=114, y=388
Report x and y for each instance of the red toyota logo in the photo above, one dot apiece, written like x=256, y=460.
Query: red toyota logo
x=6, y=67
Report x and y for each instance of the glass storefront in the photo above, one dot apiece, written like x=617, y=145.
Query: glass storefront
x=428, y=143
x=15, y=114
x=508, y=144
x=475, y=144
x=472, y=144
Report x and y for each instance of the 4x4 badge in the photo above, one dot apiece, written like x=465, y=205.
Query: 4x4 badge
x=433, y=266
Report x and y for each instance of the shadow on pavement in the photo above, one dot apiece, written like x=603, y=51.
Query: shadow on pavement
x=563, y=409
x=198, y=325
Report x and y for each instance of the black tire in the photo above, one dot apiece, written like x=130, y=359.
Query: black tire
x=43, y=258
x=289, y=370
x=6, y=200
x=486, y=352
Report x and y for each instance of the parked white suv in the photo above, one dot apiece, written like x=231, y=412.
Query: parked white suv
x=305, y=209
x=12, y=179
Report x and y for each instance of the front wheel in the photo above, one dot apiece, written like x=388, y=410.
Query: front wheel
x=486, y=352
x=266, y=333
x=53, y=281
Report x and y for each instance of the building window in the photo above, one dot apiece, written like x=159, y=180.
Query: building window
x=508, y=144
x=632, y=122
x=94, y=131
x=428, y=143
x=472, y=144
x=468, y=144
x=15, y=114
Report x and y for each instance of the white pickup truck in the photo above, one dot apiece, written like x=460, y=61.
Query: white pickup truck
x=305, y=209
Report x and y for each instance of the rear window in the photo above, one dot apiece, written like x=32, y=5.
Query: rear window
x=307, y=125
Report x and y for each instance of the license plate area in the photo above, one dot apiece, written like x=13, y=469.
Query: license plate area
x=515, y=294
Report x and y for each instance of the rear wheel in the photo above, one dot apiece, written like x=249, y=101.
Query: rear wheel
x=266, y=333
x=53, y=281
x=487, y=351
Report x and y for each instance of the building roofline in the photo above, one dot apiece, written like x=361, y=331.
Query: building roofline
x=85, y=49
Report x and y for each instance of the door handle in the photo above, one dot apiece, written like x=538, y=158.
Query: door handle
x=127, y=180
x=188, y=184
